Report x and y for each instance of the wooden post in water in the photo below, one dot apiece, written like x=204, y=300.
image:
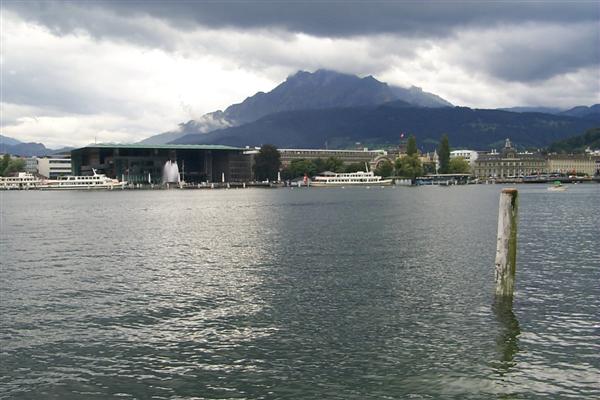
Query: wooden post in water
x=506, y=249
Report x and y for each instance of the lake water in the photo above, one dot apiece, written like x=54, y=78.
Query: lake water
x=295, y=293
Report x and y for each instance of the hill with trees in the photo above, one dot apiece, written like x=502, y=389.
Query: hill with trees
x=577, y=144
x=375, y=126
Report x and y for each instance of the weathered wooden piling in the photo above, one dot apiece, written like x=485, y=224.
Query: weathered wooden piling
x=506, y=245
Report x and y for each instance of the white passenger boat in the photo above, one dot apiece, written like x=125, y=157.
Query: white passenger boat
x=23, y=181
x=96, y=181
x=360, y=178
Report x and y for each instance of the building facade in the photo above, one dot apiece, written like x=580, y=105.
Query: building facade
x=138, y=163
x=509, y=164
x=469, y=155
x=51, y=167
x=574, y=164
x=346, y=156
x=31, y=165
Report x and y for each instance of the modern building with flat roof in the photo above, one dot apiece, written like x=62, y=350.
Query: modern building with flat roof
x=138, y=163
x=53, y=167
x=31, y=165
x=469, y=156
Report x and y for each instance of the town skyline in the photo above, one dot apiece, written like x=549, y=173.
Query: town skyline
x=124, y=71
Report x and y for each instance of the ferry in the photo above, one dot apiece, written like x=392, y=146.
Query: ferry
x=96, y=181
x=360, y=178
x=23, y=181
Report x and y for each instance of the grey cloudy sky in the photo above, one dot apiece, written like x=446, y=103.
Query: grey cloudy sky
x=124, y=70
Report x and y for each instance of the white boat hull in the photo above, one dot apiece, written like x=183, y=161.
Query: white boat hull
x=94, y=187
x=94, y=182
x=383, y=182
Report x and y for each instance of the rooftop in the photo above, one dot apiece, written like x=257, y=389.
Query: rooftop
x=573, y=157
x=331, y=150
x=160, y=146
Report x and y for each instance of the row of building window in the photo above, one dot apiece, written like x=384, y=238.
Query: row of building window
x=509, y=164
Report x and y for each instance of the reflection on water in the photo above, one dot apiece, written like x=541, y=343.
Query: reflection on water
x=507, y=340
x=342, y=293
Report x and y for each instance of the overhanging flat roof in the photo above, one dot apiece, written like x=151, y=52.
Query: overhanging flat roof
x=160, y=146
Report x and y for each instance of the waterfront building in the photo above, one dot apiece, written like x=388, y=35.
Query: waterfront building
x=573, y=164
x=469, y=155
x=509, y=164
x=346, y=156
x=31, y=165
x=52, y=167
x=138, y=163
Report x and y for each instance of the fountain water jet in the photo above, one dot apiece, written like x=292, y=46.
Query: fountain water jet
x=171, y=172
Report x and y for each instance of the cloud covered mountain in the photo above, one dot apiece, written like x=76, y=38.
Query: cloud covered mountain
x=305, y=91
x=206, y=123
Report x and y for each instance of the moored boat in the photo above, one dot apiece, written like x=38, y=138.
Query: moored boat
x=96, y=181
x=360, y=178
x=23, y=181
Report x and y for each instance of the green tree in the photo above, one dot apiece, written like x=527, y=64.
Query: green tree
x=398, y=165
x=409, y=167
x=444, y=155
x=459, y=165
x=4, y=163
x=320, y=165
x=299, y=168
x=19, y=165
x=14, y=165
x=411, y=146
x=334, y=164
x=384, y=168
x=428, y=168
x=267, y=163
x=354, y=167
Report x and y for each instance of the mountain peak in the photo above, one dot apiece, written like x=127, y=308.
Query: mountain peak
x=322, y=77
x=5, y=140
x=304, y=90
x=588, y=112
x=312, y=90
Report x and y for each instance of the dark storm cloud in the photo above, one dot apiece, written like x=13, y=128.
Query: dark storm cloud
x=529, y=56
x=343, y=18
x=488, y=45
x=526, y=63
x=319, y=18
x=530, y=52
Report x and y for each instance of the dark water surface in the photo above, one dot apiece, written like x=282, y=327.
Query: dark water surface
x=334, y=293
